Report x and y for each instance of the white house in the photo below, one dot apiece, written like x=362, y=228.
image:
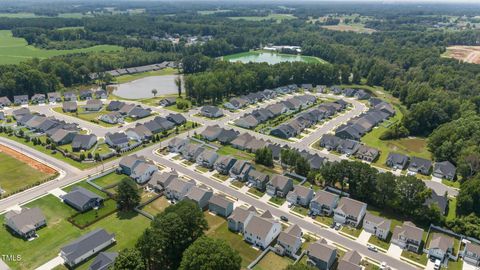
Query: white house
x=289, y=241
x=377, y=226
x=349, y=211
x=300, y=195
x=261, y=231
x=178, y=189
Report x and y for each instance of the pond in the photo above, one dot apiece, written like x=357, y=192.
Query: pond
x=142, y=88
x=270, y=58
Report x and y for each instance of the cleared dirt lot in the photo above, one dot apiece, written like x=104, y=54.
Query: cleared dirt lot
x=468, y=54
x=357, y=28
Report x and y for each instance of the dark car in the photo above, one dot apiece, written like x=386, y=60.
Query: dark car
x=284, y=218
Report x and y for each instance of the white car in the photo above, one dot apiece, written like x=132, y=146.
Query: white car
x=437, y=265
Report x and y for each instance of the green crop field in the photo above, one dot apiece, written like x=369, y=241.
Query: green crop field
x=16, y=174
x=15, y=50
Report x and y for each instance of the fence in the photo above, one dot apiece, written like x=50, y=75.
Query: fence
x=260, y=257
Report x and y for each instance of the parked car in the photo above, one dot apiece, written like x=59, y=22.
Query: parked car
x=437, y=265
x=338, y=226
x=284, y=218
x=372, y=248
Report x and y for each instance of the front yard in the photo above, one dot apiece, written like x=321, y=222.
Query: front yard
x=379, y=242
x=256, y=192
x=300, y=210
x=351, y=231
x=277, y=200
x=418, y=258
x=221, y=177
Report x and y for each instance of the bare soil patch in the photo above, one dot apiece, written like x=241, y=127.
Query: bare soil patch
x=468, y=54
x=27, y=160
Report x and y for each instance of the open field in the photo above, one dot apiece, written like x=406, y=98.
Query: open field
x=15, y=50
x=210, y=12
x=276, y=17
x=19, y=171
x=357, y=28
x=468, y=54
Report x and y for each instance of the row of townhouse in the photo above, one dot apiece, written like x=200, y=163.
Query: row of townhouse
x=52, y=97
x=442, y=169
x=349, y=147
x=133, y=70
x=236, y=103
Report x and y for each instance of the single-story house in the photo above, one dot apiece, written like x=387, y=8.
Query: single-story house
x=82, y=199
x=5, y=102
x=116, y=140
x=367, y=153
x=348, y=147
x=103, y=261
x=139, y=133
x=396, y=161
x=112, y=118
x=93, y=105
x=25, y=222
x=20, y=100
x=211, y=132
x=115, y=105
x=69, y=96
x=138, y=112
x=220, y=205
x=420, y=165
x=86, y=94
x=69, y=106
x=101, y=94
x=211, y=112
x=86, y=246
x=62, y=136
x=176, y=118
x=330, y=142
x=444, y=169
x=440, y=200
x=227, y=136
x=168, y=101
x=38, y=99
x=349, y=212
x=54, y=97
x=83, y=142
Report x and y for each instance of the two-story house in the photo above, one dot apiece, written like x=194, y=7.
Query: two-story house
x=279, y=186
x=408, y=236
x=262, y=230
x=324, y=203
x=349, y=212
x=300, y=195
x=378, y=226
x=321, y=255
x=258, y=179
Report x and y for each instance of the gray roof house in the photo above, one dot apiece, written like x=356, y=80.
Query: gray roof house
x=471, y=253
x=220, y=205
x=26, y=221
x=191, y=151
x=350, y=131
x=103, y=261
x=93, y=105
x=4, y=102
x=20, y=100
x=330, y=142
x=54, y=97
x=200, y=195
x=408, y=236
x=69, y=106
x=69, y=96
x=444, y=169
x=279, y=186
x=138, y=112
x=168, y=101
x=300, y=195
x=160, y=180
x=83, y=142
x=128, y=163
x=289, y=241
x=240, y=170
x=115, y=105
x=139, y=133
x=176, y=144
x=178, y=189
x=82, y=199
x=367, y=153
x=38, y=99
x=176, y=118
x=86, y=246
x=350, y=261
x=112, y=118
x=348, y=147
x=349, y=211
x=396, y=161
x=321, y=255
x=207, y=158
x=211, y=112
x=262, y=230
x=116, y=140
x=240, y=218
x=241, y=142
x=86, y=94
x=378, y=226
x=143, y=171
x=101, y=94
x=258, y=179
x=420, y=165
x=248, y=122
x=211, y=132
x=440, y=246
x=62, y=136
x=224, y=164
x=441, y=201
x=324, y=203
x=164, y=123
x=227, y=135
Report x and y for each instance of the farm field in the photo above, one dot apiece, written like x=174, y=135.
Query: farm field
x=15, y=50
x=468, y=54
x=23, y=170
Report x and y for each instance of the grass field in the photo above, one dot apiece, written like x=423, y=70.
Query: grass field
x=357, y=28
x=15, y=50
x=136, y=76
x=273, y=261
x=156, y=206
x=276, y=17
x=87, y=116
x=109, y=179
x=16, y=174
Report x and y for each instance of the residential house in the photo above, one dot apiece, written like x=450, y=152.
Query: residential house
x=350, y=261
x=117, y=140
x=211, y=132
x=321, y=255
x=471, y=253
x=444, y=170
x=348, y=147
x=378, y=226
x=279, y=186
x=385, y=108
x=240, y=170
x=207, y=158
x=103, y=261
x=54, y=97
x=128, y=163
x=168, y=101
x=20, y=100
x=82, y=199
x=420, y=165
x=164, y=123
x=285, y=131
x=115, y=105
x=62, y=136
x=258, y=179
x=101, y=94
x=408, y=236
x=367, y=153
x=349, y=212
x=211, y=112
x=238, y=103
x=138, y=112
x=330, y=142
x=349, y=92
x=361, y=95
x=227, y=136
x=242, y=141
x=396, y=161
x=176, y=145
x=277, y=109
x=350, y=131
x=176, y=118
x=160, y=180
x=306, y=86
x=112, y=118
x=440, y=246
x=70, y=96
x=289, y=241
x=83, y=142
x=154, y=127
x=142, y=173
x=224, y=164
x=261, y=231
x=38, y=99
x=139, y=133
x=240, y=217
x=248, y=122
x=25, y=222
x=200, y=195
x=220, y=205
x=69, y=106
x=324, y=203
x=86, y=246
x=126, y=108
x=439, y=200
x=5, y=102
x=300, y=195
x=191, y=151
x=86, y=94
x=178, y=189
x=93, y=105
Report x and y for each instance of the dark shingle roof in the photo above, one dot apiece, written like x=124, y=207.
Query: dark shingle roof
x=85, y=243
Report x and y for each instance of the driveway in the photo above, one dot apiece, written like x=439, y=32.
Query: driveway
x=394, y=251
x=467, y=266
x=363, y=237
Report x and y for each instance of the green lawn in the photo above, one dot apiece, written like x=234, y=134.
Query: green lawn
x=325, y=220
x=419, y=258
x=201, y=169
x=238, y=184
x=136, y=76
x=87, y=186
x=83, y=219
x=239, y=154
x=256, y=192
x=300, y=210
x=87, y=116
x=452, y=265
x=109, y=179
x=17, y=175
x=351, y=231
x=273, y=261
x=380, y=243
x=15, y=50
x=157, y=206
x=236, y=242
x=452, y=209
x=277, y=200
x=221, y=176
x=449, y=183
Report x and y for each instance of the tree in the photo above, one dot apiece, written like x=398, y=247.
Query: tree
x=128, y=196
x=385, y=188
x=154, y=92
x=178, y=83
x=411, y=193
x=208, y=253
x=129, y=259
x=468, y=197
x=264, y=156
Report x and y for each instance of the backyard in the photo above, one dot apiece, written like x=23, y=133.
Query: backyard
x=157, y=206
x=273, y=261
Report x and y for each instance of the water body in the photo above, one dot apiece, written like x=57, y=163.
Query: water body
x=270, y=58
x=142, y=88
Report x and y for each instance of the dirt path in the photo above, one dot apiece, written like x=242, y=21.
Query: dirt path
x=23, y=158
